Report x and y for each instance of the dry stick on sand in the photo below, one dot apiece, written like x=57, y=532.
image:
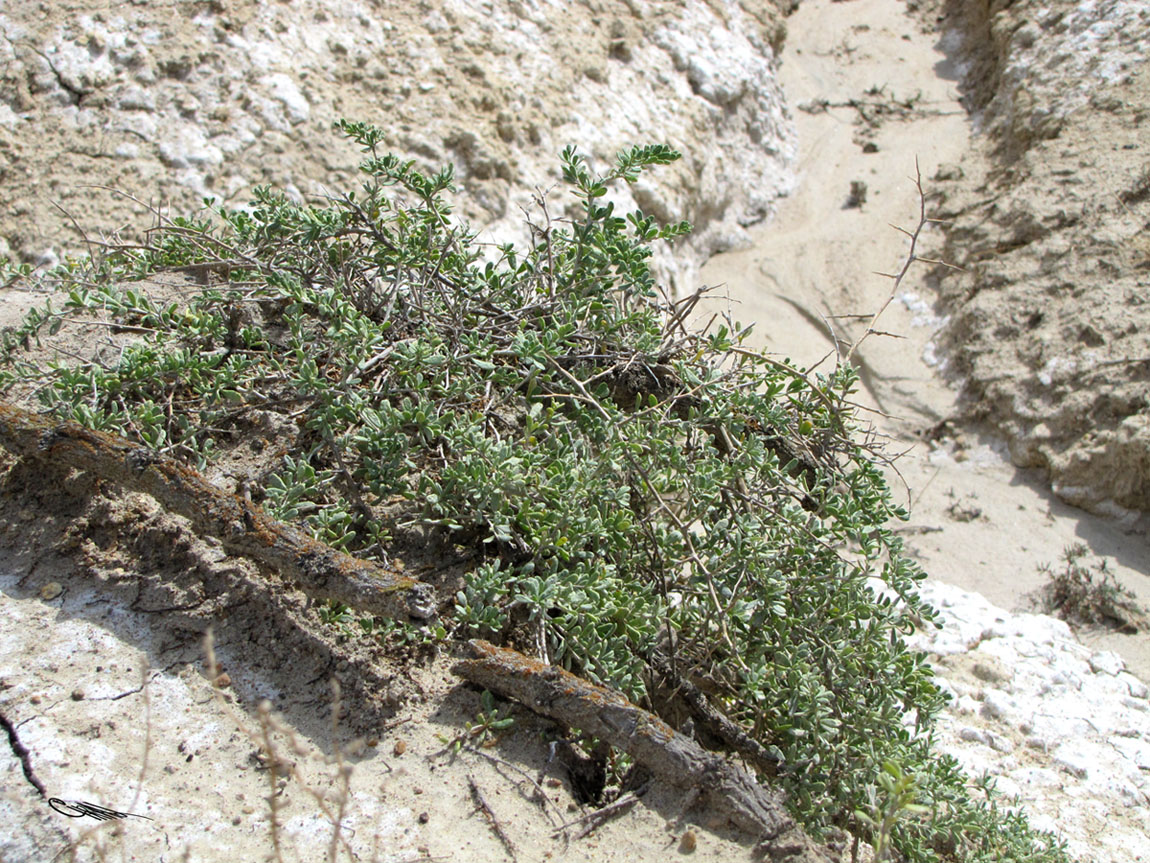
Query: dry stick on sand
x=483, y=806
x=540, y=797
x=592, y=820
x=320, y=571
x=672, y=758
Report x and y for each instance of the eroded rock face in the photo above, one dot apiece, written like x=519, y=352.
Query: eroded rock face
x=1035, y=65
x=172, y=104
x=1050, y=320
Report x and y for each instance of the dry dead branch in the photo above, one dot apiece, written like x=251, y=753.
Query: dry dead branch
x=672, y=758
x=244, y=529
x=712, y=720
x=593, y=820
x=483, y=806
x=911, y=257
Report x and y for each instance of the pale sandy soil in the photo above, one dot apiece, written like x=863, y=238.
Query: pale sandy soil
x=976, y=521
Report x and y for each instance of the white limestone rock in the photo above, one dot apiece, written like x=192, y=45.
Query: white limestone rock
x=293, y=104
x=1085, y=730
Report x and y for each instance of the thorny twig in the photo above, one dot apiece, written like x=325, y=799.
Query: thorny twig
x=912, y=256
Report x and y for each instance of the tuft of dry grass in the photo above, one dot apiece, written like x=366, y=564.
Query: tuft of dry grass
x=1090, y=595
x=276, y=760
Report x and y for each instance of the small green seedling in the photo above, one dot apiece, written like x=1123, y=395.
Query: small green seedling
x=485, y=731
x=897, y=792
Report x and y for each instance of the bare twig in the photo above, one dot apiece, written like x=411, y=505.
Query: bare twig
x=482, y=805
x=273, y=763
x=277, y=767
x=912, y=256
x=83, y=234
x=540, y=795
x=592, y=820
x=344, y=778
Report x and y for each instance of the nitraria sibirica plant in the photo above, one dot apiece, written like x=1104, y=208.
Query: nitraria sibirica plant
x=622, y=485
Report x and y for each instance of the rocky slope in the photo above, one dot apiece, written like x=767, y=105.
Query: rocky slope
x=1061, y=728
x=1049, y=324
x=102, y=114
x=102, y=111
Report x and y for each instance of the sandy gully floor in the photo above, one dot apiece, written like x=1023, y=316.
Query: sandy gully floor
x=873, y=97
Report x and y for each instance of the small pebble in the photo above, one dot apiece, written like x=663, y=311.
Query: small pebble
x=689, y=842
x=399, y=748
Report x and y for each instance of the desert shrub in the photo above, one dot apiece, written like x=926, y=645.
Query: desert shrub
x=624, y=485
x=1090, y=595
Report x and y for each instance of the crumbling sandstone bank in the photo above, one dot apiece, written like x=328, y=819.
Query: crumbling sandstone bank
x=172, y=104
x=1049, y=325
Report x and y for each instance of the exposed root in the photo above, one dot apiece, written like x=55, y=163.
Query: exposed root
x=244, y=529
x=670, y=757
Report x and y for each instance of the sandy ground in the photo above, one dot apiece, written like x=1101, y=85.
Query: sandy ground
x=120, y=713
x=976, y=521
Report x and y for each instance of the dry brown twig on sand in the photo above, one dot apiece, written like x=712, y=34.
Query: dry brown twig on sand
x=483, y=806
